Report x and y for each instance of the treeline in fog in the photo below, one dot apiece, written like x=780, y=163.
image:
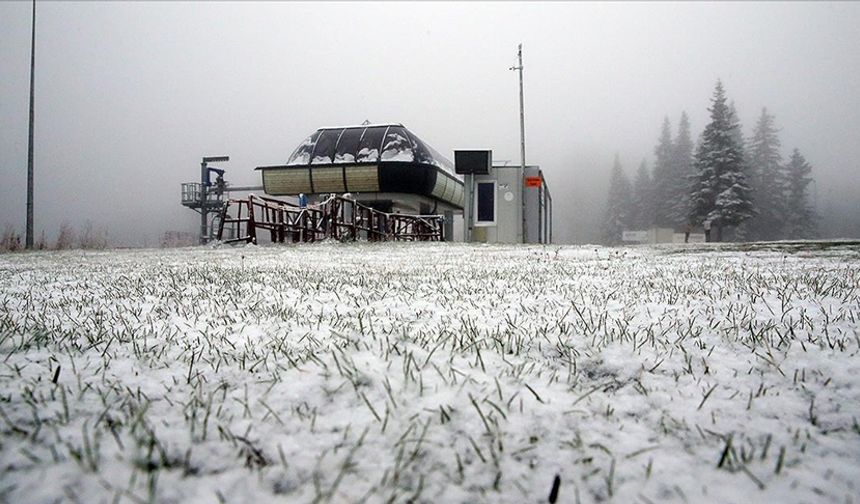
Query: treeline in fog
x=87, y=237
x=741, y=189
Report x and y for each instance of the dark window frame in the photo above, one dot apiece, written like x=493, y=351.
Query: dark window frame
x=481, y=203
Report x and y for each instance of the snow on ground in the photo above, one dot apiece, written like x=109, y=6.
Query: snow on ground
x=431, y=372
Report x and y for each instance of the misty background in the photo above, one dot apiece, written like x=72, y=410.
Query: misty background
x=130, y=96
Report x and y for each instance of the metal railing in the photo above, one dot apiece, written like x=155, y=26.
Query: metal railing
x=191, y=193
x=192, y=196
x=337, y=217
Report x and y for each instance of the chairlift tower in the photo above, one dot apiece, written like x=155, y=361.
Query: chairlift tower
x=207, y=197
x=204, y=198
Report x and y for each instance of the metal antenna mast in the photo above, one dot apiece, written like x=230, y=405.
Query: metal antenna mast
x=519, y=68
x=522, y=112
x=28, y=243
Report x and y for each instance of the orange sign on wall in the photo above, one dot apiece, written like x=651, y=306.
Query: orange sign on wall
x=533, y=182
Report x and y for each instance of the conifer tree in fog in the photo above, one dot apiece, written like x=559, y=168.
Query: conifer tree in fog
x=642, y=212
x=682, y=174
x=618, y=207
x=720, y=193
x=799, y=215
x=767, y=181
x=662, y=179
x=738, y=133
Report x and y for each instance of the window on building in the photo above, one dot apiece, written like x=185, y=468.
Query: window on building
x=485, y=203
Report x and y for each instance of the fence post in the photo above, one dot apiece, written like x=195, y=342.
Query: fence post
x=252, y=227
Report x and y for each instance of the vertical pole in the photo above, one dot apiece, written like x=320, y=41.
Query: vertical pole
x=522, y=141
x=448, y=234
x=540, y=213
x=522, y=112
x=519, y=68
x=468, y=218
x=203, y=202
x=221, y=223
x=548, y=219
x=252, y=225
x=547, y=216
x=28, y=240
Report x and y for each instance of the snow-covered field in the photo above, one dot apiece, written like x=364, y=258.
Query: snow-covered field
x=440, y=373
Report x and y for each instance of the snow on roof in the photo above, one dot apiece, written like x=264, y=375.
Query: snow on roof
x=374, y=125
x=366, y=143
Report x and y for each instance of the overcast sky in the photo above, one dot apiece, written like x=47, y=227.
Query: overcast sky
x=130, y=96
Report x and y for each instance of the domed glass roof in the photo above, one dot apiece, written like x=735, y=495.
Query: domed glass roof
x=366, y=144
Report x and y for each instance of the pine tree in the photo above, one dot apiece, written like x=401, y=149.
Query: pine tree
x=799, y=215
x=662, y=178
x=642, y=212
x=682, y=173
x=740, y=232
x=767, y=180
x=617, y=217
x=720, y=193
x=737, y=134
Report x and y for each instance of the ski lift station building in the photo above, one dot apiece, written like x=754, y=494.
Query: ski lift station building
x=389, y=168
x=384, y=166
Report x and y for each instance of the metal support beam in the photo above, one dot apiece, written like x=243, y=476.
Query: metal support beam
x=449, y=225
x=204, y=195
x=203, y=210
x=28, y=240
x=243, y=188
x=468, y=206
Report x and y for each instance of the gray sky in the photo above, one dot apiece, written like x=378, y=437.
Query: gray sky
x=130, y=96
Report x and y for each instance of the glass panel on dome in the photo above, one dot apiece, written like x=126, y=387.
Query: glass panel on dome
x=397, y=146
x=347, y=146
x=302, y=154
x=324, y=151
x=428, y=155
x=368, y=147
x=422, y=153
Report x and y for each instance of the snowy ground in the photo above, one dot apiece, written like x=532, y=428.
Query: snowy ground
x=434, y=373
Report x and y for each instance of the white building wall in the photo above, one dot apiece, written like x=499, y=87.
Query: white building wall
x=508, y=195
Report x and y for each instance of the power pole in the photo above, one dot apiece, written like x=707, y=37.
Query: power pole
x=522, y=111
x=28, y=243
x=519, y=68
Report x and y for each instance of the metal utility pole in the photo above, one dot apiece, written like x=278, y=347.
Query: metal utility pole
x=28, y=240
x=522, y=111
x=519, y=68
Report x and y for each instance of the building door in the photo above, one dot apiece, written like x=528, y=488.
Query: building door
x=485, y=204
